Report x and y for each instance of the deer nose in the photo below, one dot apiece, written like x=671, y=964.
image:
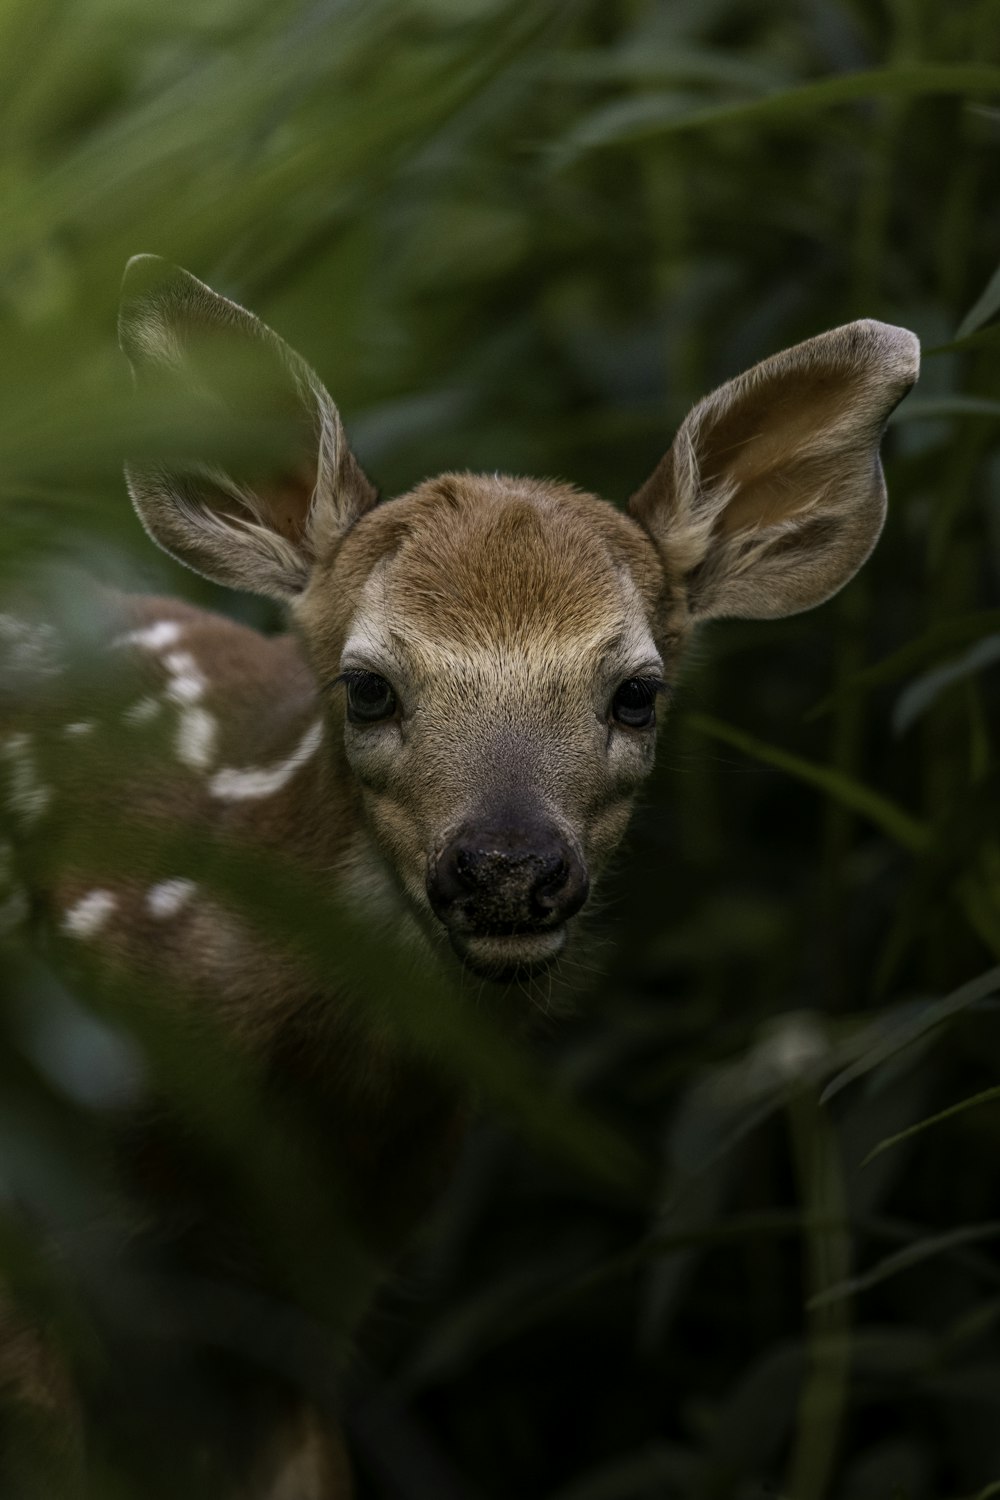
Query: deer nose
x=506, y=882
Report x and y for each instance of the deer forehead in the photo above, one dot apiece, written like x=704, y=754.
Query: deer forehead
x=507, y=578
x=522, y=658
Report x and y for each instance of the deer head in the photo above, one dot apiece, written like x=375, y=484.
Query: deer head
x=491, y=652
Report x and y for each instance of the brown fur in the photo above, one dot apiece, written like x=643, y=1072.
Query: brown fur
x=505, y=613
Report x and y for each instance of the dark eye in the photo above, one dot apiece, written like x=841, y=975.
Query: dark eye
x=634, y=704
x=369, y=697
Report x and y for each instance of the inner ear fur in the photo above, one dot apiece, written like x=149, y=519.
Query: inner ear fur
x=772, y=494
x=259, y=481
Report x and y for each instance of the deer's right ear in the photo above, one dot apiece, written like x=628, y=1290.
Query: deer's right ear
x=261, y=482
x=772, y=494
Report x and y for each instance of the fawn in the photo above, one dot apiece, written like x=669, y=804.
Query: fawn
x=451, y=737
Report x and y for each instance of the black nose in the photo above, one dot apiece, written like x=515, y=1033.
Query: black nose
x=506, y=881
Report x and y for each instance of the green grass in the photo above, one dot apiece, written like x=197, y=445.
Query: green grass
x=528, y=237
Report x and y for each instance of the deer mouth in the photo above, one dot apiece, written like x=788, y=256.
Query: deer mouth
x=504, y=887
x=507, y=957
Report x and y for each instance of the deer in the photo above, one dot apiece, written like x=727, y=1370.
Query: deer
x=449, y=738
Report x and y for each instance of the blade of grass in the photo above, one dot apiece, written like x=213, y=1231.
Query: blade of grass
x=893, y=820
x=986, y=305
x=973, y=1102
x=948, y=634
x=655, y=116
x=827, y=1252
x=902, y=1260
x=902, y=1032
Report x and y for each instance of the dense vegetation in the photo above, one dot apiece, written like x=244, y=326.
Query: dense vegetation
x=730, y=1230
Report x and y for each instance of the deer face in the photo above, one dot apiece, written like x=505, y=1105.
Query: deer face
x=491, y=650
x=497, y=673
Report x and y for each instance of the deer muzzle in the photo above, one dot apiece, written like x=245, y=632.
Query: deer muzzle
x=505, y=892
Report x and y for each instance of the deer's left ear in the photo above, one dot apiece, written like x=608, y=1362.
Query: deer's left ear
x=772, y=495
x=258, y=481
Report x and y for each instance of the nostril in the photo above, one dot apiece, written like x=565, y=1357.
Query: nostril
x=448, y=879
x=562, y=888
x=456, y=875
x=503, y=882
x=550, y=886
x=466, y=863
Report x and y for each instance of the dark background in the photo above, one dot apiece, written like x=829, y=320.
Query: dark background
x=527, y=237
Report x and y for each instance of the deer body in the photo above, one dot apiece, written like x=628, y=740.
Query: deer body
x=244, y=764
x=451, y=739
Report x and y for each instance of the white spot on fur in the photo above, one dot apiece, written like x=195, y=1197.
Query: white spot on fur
x=256, y=782
x=142, y=712
x=197, y=729
x=88, y=915
x=27, y=797
x=197, y=732
x=169, y=897
x=78, y=730
x=187, y=684
x=156, y=637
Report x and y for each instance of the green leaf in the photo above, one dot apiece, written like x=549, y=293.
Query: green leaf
x=974, y=1100
x=986, y=305
x=651, y=117
x=927, y=408
x=953, y=632
x=890, y=1034
x=984, y=338
x=921, y=1250
x=893, y=820
x=921, y=694
x=646, y=63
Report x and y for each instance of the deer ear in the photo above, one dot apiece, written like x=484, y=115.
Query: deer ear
x=772, y=495
x=259, y=482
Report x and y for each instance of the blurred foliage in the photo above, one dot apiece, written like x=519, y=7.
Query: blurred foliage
x=735, y=1236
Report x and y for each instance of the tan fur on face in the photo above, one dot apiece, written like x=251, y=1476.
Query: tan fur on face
x=487, y=559
x=515, y=565
x=505, y=613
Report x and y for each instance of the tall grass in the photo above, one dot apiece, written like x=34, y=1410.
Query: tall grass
x=733, y=1233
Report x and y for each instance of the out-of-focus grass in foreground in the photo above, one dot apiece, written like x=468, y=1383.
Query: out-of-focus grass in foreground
x=733, y=1235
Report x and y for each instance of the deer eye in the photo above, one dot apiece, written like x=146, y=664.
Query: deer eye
x=634, y=704
x=369, y=697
